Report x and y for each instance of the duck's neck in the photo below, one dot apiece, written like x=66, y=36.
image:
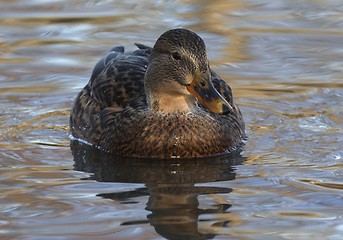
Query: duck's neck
x=171, y=103
x=165, y=94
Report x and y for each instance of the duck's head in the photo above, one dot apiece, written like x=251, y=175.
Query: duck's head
x=179, y=73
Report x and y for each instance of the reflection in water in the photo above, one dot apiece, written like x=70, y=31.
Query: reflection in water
x=170, y=185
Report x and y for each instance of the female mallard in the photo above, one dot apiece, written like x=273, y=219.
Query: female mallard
x=160, y=102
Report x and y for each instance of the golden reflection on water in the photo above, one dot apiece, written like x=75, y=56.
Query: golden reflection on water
x=25, y=90
x=214, y=17
x=325, y=184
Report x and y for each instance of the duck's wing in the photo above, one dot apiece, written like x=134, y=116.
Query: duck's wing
x=224, y=89
x=117, y=79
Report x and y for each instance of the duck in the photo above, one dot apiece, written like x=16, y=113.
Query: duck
x=158, y=102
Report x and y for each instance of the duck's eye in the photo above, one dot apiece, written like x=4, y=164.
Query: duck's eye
x=176, y=55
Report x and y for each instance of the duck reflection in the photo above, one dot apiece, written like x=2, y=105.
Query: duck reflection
x=170, y=185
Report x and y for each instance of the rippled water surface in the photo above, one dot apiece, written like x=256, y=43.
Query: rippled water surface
x=283, y=60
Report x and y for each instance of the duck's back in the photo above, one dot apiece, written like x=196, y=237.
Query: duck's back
x=117, y=79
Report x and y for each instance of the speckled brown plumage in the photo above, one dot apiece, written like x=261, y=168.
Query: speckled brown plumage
x=112, y=112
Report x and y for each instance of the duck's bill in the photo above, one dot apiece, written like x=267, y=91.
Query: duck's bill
x=202, y=88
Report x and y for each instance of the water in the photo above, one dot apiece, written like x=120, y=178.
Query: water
x=283, y=60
